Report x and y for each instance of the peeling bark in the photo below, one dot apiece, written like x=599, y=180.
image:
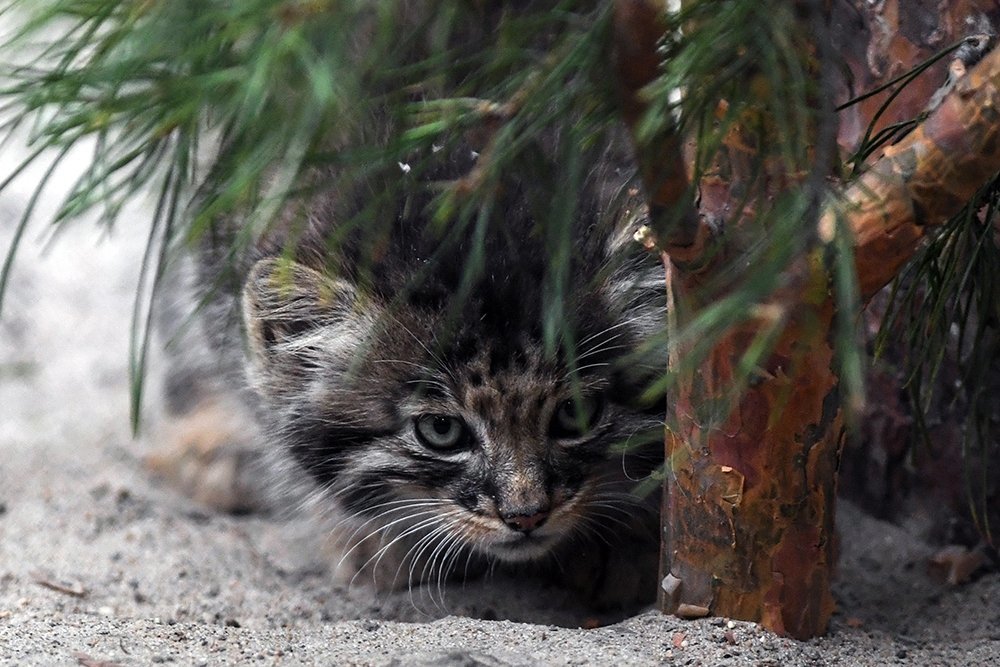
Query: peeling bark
x=925, y=179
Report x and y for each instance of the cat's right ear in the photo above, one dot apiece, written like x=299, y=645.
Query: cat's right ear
x=283, y=300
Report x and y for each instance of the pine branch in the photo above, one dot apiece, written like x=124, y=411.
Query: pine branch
x=924, y=180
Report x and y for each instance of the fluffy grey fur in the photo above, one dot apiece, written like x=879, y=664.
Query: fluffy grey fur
x=413, y=396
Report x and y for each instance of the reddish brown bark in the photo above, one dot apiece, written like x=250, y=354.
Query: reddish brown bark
x=749, y=499
x=749, y=510
x=925, y=179
x=638, y=26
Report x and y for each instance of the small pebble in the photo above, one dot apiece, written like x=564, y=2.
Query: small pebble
x=730, y=625
x=105, y=611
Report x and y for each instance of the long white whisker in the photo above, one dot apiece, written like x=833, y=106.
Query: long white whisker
x=608, y=330
x=415, y=553
x=384, y=549
x=440, y=556
x=434, y=356
x=449, y=559
x=589, y=526
x=400, y=506
x=431, y=563
x=453, y=519
x=385, y=527
x=609, y=517
x=580, y=369
x=422, y=367
x=393, y=507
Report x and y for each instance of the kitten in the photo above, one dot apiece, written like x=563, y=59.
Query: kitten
x=413, y=393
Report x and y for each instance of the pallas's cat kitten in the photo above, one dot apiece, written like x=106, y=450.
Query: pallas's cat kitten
x=453, y=399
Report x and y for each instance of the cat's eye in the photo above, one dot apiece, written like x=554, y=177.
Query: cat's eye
x=575, y=417
x=441, y=432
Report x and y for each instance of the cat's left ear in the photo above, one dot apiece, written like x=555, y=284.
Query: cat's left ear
x=283, y=300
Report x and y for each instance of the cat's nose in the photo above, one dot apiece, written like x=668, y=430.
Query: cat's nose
x=526, y=523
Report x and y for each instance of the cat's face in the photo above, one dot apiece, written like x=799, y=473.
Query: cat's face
x=518, y=453
x=453, y=429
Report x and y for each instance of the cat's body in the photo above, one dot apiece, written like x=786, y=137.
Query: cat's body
x=424, y=409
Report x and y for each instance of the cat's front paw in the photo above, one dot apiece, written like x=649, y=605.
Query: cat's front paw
x=210, y=456
x=611, y=577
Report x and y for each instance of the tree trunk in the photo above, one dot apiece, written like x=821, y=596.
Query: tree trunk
x=748, y=515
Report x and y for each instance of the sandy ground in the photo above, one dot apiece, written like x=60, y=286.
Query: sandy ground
x=100, y=565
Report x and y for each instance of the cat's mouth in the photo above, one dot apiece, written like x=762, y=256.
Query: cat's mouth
x=520, y=547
